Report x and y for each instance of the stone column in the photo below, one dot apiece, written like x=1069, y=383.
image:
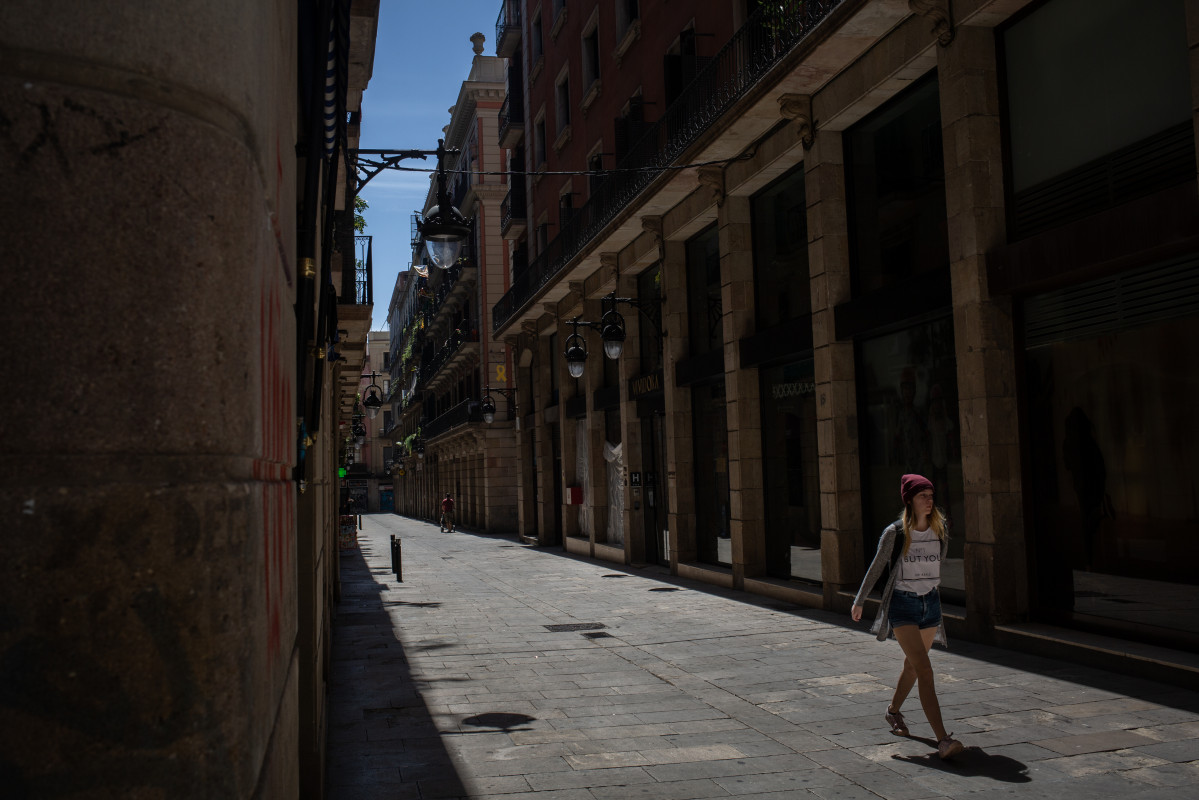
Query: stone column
x=742, y=388
x=567, y=388
x=595, y=496
x=841, y=558
x=546, y=360
x=995, y=562
x=630, y=426
x=147, y=433
x=679, y=480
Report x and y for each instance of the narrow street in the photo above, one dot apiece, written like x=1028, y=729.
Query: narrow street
x=495, y=670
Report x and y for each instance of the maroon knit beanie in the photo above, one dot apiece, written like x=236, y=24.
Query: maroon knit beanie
x=912, y=485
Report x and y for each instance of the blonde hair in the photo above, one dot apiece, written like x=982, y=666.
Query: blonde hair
x=936, y=521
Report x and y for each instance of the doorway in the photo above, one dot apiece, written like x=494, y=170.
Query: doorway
x=653, y=458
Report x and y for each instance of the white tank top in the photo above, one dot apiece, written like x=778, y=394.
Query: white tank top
x=920, y=569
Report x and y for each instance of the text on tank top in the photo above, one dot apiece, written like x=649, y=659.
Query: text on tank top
x=920, y=568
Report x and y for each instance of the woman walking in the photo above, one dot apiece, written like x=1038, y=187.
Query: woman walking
x=913, y=548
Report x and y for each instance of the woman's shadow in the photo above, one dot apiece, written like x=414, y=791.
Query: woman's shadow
x=971, y=761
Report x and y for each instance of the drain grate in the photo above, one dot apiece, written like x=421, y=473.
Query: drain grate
x=575, y=626
x=665, y=589
x=597, y=635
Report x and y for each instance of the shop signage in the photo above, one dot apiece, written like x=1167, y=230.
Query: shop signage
x=634, y=479
x=357, y=483
x=780, y=391
x=645, y=385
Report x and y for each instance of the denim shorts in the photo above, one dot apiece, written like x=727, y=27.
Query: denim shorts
x=909, y=608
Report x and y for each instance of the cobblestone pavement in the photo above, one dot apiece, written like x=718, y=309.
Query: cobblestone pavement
x=455, y=683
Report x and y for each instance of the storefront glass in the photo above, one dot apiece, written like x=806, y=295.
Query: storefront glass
x=895, y=172
x=1115, y=502
x=711, y=449
x=790, y=469
x=782, y=286
x=908, y=392
x=705, y=309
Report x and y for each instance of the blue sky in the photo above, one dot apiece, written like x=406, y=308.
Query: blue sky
x=422, y=55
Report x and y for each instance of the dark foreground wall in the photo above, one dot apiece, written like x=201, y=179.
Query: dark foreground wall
x=147, y=518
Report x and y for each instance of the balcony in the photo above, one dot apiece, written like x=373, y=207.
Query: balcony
x=461, y=414
x=512, y=120
x=461, y=344
x=512, y=210
x=507, y=29
x=763, y=41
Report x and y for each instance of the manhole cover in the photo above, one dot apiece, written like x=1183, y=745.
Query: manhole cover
x=575, y=626
x=597, y=635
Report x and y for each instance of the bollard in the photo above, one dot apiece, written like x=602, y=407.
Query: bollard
x=397, y=560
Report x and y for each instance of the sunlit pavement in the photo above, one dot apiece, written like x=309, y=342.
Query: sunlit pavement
x=496, y=670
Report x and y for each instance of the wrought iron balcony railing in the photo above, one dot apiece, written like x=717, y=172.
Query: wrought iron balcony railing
x=363, y=270
x=770, y=33
x=511, y=119
x=513, y=207
x=467, y=331
x=464, y=412
x=507, y=28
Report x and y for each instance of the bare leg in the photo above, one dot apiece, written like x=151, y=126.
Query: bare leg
x=907, y=678
x=915, y=644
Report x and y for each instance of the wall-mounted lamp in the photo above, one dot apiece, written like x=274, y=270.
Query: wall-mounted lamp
x=487, y=405
x=611, y=330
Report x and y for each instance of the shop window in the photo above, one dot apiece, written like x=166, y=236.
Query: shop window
x=1098, y=94
x=1112, y=374
x=710, y=441
x=908, y=422
x=790, y=471
x=782, y=286
x=705, y=310
x=895, y=173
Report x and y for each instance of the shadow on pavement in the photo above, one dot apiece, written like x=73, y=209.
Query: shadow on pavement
x=974, y=762
x=383, y=742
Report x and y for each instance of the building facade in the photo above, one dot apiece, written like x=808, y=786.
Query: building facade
x=854, y=240
x=368, y=482
x=170, y=576
x=448, y=358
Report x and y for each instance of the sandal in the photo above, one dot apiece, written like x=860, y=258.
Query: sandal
x=949, y=747
x=895, y=720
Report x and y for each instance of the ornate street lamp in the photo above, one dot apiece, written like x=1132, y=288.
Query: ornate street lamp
x=443, y=228
x=374, y=398
x=611, y=330
x=487, y=405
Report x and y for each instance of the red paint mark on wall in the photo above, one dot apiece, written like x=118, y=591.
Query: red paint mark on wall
x=272, y=466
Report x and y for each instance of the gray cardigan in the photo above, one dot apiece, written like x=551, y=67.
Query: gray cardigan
x=882, y=558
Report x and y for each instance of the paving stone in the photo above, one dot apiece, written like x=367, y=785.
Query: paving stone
x=1180, y=751
x=1094, y=742
x=461, y=692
